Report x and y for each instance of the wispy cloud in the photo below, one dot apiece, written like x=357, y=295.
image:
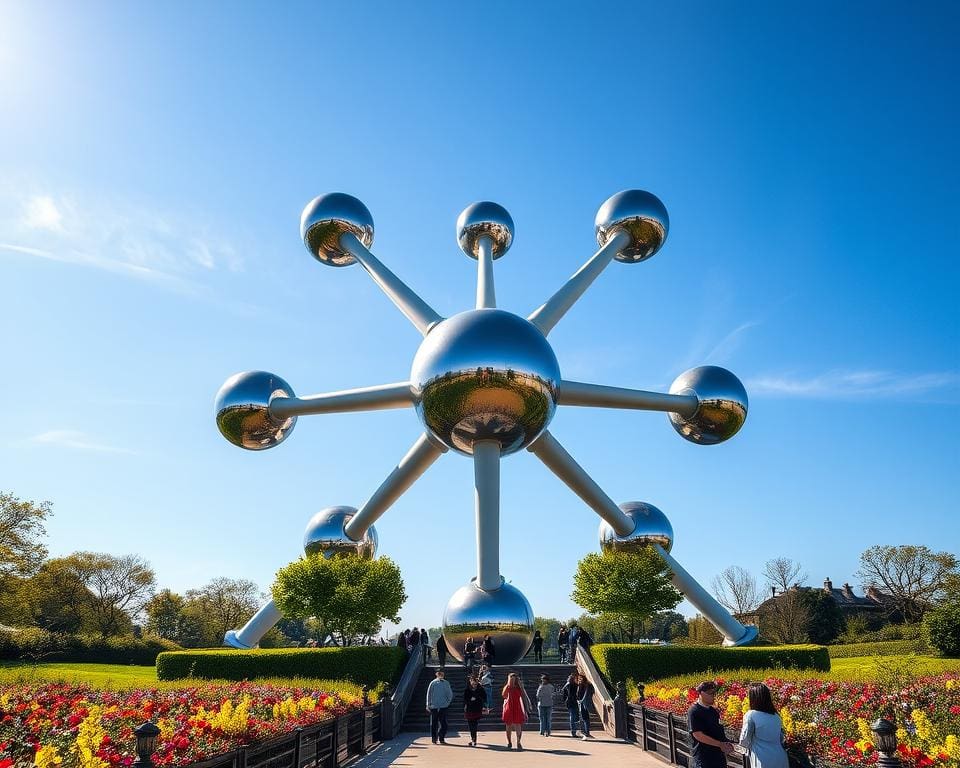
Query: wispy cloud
x=724, y=348
x=134, y=242
x=845, y=384
x=69, y=438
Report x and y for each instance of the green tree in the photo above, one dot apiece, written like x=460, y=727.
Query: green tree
x=942, y=625
x=165, y=615
x=221, y=605
x=825, y=621
x=915, y=577
x=57, y=597
x=350, y=595
x=666, y=625
x=631, y=585
x=702, y=632
x=21, y=527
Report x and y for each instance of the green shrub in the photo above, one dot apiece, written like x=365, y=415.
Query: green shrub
x=642, y=663
x=364, y=665
x=884, y=648
x=35, y=644
x=943, y=628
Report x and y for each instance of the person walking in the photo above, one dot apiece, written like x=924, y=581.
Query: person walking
x=474, y=705
x=584, y=704
x=569, y=693
x=425, y=644
x=441, y=652
x=439, y=698
x=572, y=643
x=545, y=704
x=414, y=641
x=486, y=680
x=708, y=743
x=537, y=647
x=563, y=639
x=488, y=651
x=762, y=731
x=469, y=653
x=514, y=713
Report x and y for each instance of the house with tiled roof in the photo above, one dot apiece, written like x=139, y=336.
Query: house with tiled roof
x=873, y=605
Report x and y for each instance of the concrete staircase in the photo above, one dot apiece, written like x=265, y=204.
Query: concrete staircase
x=418, y=720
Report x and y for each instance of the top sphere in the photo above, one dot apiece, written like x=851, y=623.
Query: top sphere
x=326, y=218
x=243, y=410
x=723, y=405
x=651, y=526
x=481, y=219
x=641, y=215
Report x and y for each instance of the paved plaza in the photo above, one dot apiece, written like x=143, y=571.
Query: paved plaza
x=414, y=750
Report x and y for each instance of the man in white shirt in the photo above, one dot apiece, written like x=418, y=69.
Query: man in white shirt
x=439, y=697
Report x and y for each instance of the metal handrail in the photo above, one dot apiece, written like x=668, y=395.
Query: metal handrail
x=602, y=700
x=401, y=696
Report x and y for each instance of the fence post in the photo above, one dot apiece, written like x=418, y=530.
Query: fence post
x=643, y=726
x=386, y=715
x=672, y=739
x=241, y=758
x=297, y=747
x=620, y=712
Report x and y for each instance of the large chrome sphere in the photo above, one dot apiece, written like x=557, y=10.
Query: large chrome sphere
x=651, y=526
x=481, y=219
x=325, y=535
x=485, y=374
x=329, y=216
x=243, y=410
x=503, y=613
x=723, y=405
x=639, y=214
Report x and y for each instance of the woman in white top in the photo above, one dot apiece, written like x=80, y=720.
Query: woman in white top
x=762, y=732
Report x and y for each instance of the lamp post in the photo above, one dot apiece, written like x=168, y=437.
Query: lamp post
x=146, y=744
x=885, y=740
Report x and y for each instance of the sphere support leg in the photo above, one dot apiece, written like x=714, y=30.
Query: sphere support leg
x=253, y=631
x=734, y=633
x=486, y=472
x=486, y=295
x=550, y=452
x=418, y=312
x=417, y=461
x=602, y=396
x=559, y=304
x=377, y=398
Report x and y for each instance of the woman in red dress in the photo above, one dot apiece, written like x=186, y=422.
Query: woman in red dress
x=514, y=709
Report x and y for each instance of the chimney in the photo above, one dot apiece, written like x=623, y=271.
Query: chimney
x=848, y=590
x=827, y=585
x=873, y=593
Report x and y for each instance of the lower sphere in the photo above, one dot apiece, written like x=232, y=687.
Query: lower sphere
x=485, y=374
x=325, y=535
x=243, y=410
x=504, y=614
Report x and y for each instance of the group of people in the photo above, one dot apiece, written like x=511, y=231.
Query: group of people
x=415, y=638
x=568, y=638
x=517, y=708
x=761, y=736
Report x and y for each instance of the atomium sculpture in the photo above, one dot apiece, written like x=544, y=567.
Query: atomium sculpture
x=485, y=383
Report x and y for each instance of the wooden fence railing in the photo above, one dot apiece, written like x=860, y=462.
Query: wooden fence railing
x=666, y=735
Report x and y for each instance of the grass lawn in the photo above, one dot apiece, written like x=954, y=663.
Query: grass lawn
x=853, y=669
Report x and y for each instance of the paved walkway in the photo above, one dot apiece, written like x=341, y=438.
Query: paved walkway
x=414, y=750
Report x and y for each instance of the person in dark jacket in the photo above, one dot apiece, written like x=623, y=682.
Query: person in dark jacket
x=474, y=705
x=469, y=653
x=442, y=651
x=537, y=647
x=563, y=643
x=569, y=693
x=584, y=702
x=425, y=644
x=488, y=651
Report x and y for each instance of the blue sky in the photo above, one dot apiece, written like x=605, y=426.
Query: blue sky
x=155, y=161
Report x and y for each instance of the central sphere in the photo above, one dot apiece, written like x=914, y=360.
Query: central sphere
x=485, y=374
x=504, y=614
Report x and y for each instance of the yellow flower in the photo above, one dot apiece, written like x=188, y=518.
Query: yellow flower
x=787, y=719
x=951, y=745
x=952, y=683
x=864, y=745
x=90, y=733
x=166, y=727
x=733, y=705
x=47, y=757
x=925, y=729
x=864, y=728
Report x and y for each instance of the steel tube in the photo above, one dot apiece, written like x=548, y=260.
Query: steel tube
x=363, y=399
x=418, y=312
x=550, y=313
x=602, y=396
x=734, y=633
x=486, y=295
x=253, y=631
x=418, y=459
x=550, y=452
x=486, y=482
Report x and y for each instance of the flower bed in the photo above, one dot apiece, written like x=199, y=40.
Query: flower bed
x=74, y=726
x=831, y=720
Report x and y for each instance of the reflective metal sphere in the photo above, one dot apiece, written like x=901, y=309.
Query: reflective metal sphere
x=329, y=216
x=325, y=535
x=485, y=374
x=651, y=527
x=243, y=410
x=481, y=219
x=503, y=613
x=639, y=214
x=723, y=405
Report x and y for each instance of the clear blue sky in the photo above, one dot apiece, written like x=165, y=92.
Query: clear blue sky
x=155, y=160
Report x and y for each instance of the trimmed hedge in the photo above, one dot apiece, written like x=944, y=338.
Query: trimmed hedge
x=643, y=663
x=362, y=664
x=884, y=648
x=35, y=644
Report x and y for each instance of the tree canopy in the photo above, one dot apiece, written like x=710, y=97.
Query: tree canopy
x=915, y=577
x=350, y=595
x=21, y=527
x=634, y=585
